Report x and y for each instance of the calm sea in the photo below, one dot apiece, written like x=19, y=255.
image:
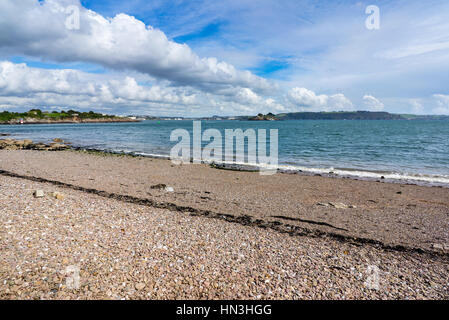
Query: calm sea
x=410, y=150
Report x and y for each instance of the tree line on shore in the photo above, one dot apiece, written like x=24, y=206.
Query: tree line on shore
x=6, y=116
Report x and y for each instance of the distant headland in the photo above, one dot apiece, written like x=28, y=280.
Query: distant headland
x=262, y=117
x=336, y=115
x=356, y=115
x=36, y=116
x=344, y=115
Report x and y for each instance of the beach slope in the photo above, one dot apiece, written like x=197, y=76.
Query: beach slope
x=138, y=227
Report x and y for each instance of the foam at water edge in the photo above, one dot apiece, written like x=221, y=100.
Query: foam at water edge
x=432, y=179
x=363, y=174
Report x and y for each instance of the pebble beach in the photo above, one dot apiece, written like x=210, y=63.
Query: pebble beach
x=74, y=243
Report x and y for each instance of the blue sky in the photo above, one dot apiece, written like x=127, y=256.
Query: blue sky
x=233, y=26
x=301, y=55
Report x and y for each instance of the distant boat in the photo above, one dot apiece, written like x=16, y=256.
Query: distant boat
x=21, y=121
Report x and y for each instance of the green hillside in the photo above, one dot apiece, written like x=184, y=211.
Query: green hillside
x=6, y=116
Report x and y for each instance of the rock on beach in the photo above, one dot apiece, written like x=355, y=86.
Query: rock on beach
x=27, y=144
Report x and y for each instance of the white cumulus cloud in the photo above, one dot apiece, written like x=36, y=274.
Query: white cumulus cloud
x=21, y=85
x=371, y=103
x=442, y=102
x=38, y=29
x=306, y=99
x=24, y=86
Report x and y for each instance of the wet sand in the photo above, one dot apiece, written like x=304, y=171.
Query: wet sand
x=268, y=236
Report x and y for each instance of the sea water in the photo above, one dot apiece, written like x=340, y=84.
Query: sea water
x=415, y=150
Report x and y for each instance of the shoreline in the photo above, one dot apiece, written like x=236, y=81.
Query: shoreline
x=292, y=169
x=70, y=121
x=397, y=171
x=439, y=181
x=138, y=177
x=142, y=228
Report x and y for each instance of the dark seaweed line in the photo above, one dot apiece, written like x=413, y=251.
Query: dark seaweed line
x=309, y=221
x=244, y=220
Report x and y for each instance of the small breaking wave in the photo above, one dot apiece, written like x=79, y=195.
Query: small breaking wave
x=399, y=177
